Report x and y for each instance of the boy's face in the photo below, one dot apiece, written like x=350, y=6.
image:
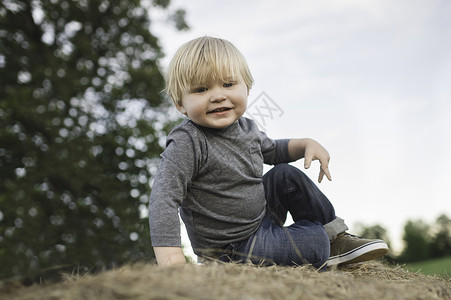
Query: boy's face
x=215, y=104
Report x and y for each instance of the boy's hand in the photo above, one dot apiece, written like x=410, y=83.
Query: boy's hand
x=314, y=151
x=310, y=150
x=168, y=256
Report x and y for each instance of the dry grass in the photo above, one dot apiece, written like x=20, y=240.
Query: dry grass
x=230, y=281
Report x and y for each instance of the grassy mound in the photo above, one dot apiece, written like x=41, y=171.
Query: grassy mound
x=230, y=281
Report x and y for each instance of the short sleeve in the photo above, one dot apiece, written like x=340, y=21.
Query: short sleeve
x=274, y=151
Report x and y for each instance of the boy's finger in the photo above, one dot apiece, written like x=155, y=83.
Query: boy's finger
x=307, y=161
x=325, y=171
x=321, y=175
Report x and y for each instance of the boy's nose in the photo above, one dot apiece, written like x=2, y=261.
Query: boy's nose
x=217, y=95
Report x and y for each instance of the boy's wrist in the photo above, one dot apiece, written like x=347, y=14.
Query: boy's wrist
x=168, y=256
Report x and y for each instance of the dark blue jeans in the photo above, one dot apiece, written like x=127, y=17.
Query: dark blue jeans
x=288, y=189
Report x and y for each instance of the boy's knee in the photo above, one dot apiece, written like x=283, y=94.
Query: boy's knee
x=283, y=167
x=285, y=171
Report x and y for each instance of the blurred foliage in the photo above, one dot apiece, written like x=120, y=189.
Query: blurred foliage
x=441, y=239
x=82, y=122
x=423, y=241
x=416, y=241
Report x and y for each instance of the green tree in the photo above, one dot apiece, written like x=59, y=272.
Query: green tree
x=81, y=125
x=416, y=241
x=441, y=240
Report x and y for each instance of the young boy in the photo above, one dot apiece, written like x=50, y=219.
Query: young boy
x=212, y=171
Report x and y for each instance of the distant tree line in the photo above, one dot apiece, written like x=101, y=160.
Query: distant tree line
x=422, y=241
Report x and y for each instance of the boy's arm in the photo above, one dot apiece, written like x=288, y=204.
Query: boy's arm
x=177, y=167
x=310, y=150
x=168, y=256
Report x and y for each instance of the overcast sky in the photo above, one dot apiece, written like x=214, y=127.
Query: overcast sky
x=370, y=80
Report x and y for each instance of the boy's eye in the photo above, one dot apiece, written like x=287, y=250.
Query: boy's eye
x=228, y=84
x=199, y=90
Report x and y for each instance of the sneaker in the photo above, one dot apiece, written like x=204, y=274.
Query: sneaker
x=350, y=249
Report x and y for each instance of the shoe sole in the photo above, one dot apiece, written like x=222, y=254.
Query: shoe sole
x=363, y=253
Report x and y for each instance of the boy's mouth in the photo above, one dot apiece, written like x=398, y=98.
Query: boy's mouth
x=221, y=109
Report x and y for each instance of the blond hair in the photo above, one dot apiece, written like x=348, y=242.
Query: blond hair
x=202, y=59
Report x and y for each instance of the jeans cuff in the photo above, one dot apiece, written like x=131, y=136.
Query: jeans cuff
x=335, y=227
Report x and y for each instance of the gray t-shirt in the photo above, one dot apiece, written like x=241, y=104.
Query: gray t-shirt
x=215, y=177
